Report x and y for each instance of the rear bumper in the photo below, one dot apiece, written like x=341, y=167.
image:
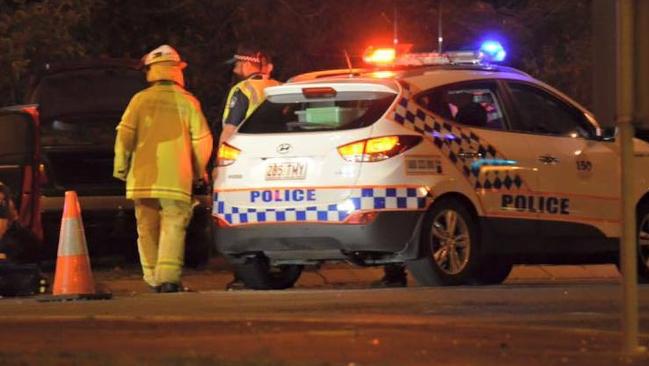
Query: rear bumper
x=391, y=237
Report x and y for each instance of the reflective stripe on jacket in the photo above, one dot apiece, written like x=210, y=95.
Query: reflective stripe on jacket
x=163, y=143
x=253, y=89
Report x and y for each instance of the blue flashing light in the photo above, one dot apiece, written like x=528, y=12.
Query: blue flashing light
x=493, y=51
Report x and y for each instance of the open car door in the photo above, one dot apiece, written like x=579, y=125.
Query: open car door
x=19, y=162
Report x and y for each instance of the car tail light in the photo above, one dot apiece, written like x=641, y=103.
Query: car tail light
x=361, y=218
x=226, y=155
x=377, y=148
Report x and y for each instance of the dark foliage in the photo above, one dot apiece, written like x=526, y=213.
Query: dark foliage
x=550, y=39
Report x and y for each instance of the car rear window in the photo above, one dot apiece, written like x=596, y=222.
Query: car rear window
x=77, y=92
x=82, y=107
x=293, y=113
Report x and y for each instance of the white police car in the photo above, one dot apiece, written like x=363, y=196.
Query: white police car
x=457, y=167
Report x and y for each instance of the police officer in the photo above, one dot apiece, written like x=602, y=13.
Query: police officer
x=253, y=67
x=163, y=144
x=394, y=275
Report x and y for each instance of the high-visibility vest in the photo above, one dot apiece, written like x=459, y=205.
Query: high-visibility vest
x=253, y=89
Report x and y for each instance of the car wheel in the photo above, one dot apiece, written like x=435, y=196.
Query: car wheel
x=643, y=243
x=450, y=247
x=257, y=274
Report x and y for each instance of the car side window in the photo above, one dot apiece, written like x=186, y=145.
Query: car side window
x=472, y=104
x=542, y=113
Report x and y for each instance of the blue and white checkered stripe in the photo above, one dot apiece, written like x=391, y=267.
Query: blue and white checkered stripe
x=452, y=140
x=369, y=198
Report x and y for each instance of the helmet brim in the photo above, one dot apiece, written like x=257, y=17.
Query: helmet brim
x=180, y=64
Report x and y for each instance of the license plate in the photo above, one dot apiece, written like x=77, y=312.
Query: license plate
x=286, y=170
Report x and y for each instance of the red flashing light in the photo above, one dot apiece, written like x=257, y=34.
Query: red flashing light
x=380, y=56
x=385, y=56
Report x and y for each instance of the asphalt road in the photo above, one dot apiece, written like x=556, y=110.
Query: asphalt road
x=540, y=316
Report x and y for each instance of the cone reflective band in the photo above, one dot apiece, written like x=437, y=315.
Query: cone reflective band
x=73, y=273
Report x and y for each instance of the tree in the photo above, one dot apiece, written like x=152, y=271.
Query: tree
x=35, y=32
x=548, y=39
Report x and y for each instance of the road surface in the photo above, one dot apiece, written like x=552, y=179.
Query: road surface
x=540, y=316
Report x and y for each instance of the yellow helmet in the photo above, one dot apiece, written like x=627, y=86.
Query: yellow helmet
x=164, y=53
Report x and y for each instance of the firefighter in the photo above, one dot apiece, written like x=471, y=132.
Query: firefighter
x=162, y=146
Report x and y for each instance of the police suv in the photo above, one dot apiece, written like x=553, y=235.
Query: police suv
x=456, y=166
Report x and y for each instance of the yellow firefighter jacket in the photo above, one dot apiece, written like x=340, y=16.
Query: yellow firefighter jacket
x=163, y=143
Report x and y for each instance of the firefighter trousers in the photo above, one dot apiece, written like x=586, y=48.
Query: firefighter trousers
x=161, y=227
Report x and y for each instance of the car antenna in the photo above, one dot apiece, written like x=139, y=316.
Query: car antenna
x=440, y=37
x=349, y=63
x=395, y=28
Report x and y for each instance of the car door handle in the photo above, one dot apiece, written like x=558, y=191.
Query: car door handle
x=548, y=159
x=469, y=155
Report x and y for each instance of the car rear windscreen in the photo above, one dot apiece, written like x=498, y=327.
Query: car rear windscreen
x=294, y=113
x=87, y=91
x=83, y=107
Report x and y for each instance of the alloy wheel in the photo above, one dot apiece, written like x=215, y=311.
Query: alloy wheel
x=450, y=241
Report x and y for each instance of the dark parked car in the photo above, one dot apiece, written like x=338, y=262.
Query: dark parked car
x=72, y=111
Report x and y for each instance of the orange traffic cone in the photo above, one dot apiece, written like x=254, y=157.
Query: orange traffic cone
x=73, y=275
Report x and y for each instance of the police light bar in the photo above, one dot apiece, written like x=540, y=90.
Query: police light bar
x=464, y=57
x=490, y=51
x=434, y=58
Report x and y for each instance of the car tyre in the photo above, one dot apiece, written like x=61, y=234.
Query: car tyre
x=643, y=243
x=257, y=274
x=450, y=247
